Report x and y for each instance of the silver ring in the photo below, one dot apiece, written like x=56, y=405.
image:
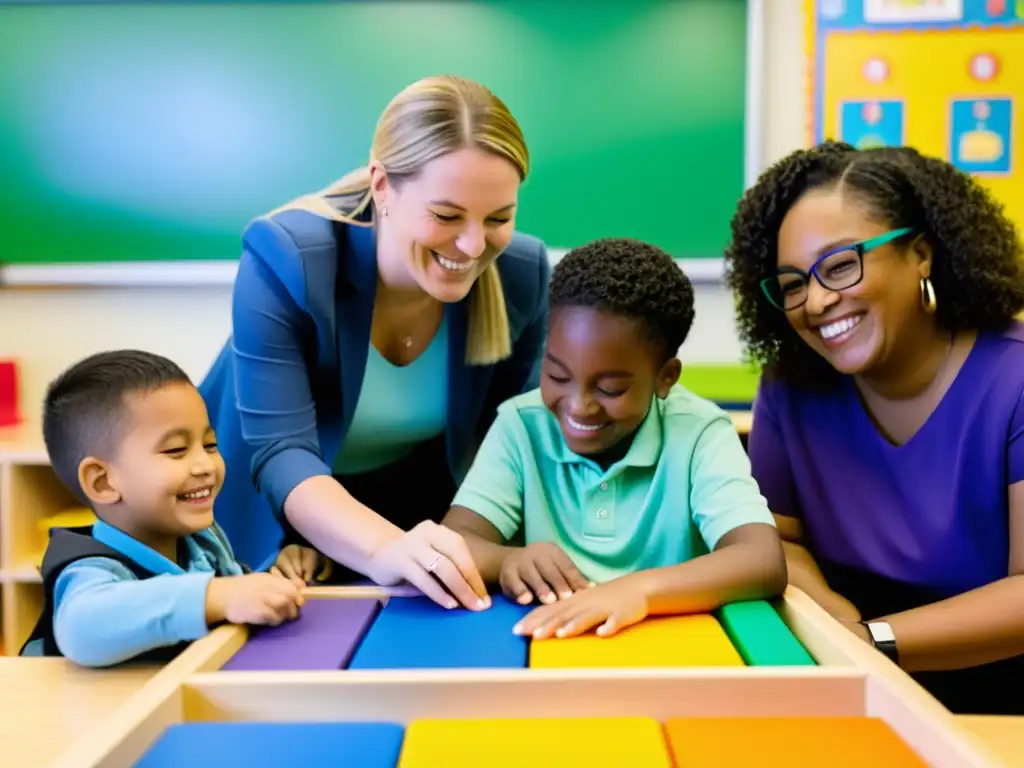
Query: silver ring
x=433, y=564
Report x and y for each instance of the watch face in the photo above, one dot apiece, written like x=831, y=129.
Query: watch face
x=881, y=632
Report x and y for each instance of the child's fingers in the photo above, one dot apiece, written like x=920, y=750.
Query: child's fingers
x=535, y=582
x=549, y=569
x=514, y=587
x=577, y=581
x=285, y=566
x=582, y=622
x=307, y=567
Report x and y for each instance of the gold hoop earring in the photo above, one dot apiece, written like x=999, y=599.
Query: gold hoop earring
x=928, y=300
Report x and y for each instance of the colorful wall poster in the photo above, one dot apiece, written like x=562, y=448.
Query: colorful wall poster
x=943, y=76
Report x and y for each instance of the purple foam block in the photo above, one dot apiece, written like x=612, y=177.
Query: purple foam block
x=324, y=636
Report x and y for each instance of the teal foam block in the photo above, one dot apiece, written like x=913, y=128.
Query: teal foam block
x=275, y=745
x=761, y=636
x=416, y=633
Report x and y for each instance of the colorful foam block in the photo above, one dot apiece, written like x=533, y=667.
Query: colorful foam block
x=637, y=742
x=766, y=742
x=675, y=641
x=324, y=637
x=275, y=745
x=761, y=636
x=415, y=632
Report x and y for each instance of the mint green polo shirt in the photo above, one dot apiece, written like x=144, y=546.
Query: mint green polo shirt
x=684, y=483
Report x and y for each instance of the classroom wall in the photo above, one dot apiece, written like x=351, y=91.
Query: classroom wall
x=47, y=329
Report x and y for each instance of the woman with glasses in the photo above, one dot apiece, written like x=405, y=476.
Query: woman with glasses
x=878, y=290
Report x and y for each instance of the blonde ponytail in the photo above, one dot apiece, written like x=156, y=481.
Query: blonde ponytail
x=489, y=337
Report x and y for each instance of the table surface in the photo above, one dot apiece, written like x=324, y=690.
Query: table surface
x=51, y=703
x=1002, y=735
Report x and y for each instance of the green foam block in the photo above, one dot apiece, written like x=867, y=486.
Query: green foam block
x=761, y=636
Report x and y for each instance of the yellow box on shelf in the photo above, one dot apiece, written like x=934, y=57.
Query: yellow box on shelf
x=68, y=518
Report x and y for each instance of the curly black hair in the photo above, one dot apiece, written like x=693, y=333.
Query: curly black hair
x=632, y=279
x=978, y=261
x=84, y=408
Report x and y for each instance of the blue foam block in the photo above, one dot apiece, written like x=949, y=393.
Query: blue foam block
x=255, y=745
x=415, y=632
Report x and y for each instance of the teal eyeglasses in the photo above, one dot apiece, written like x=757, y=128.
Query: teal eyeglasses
x=836, y=270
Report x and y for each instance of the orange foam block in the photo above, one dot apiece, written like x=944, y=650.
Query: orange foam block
x=673, y=641
x=787, y=742
x=599, y=742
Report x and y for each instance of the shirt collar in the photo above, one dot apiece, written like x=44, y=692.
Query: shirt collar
x=644, y=451
x=134, y=549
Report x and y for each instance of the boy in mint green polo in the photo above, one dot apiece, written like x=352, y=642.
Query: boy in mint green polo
x=631, y=495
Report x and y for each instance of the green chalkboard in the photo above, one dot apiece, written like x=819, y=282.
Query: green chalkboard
x=156, y=131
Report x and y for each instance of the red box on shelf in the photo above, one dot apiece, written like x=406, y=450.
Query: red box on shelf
x=9, y=415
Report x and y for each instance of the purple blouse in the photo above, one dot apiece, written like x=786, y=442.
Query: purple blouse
x=931, y=513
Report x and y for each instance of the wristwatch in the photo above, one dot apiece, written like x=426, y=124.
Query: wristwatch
x=883, y=639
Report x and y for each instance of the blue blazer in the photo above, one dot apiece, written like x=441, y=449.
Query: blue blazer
x=283, y=390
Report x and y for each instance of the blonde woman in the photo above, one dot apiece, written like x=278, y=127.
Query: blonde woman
x=377, y=325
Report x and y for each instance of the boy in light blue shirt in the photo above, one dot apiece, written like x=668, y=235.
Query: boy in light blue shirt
x=129, y=433
x=633, y=496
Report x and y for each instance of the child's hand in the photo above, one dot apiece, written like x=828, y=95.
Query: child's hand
x=256, y=598
x=540, y=570
x=609, y=607
x=299, y=564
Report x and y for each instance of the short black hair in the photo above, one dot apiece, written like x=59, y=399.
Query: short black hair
x=84, y=408
x=629, y=278
x=977, y=259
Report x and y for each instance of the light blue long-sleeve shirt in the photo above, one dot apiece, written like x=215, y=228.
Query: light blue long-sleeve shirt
x=104, y=615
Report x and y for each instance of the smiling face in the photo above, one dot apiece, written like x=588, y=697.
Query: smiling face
x=599, y=377
x=864, y=327
x=447, y=224
x=161, y=481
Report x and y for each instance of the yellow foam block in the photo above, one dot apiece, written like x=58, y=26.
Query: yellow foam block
x=637, y=742
x=672, y=641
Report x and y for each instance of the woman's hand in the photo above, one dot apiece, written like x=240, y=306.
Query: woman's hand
x=432, y=558
x=609, y=607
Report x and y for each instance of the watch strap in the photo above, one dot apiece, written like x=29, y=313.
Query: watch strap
x=883, y=639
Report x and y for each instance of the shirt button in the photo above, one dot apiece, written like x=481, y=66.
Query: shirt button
x=604, y=486
x=602, y=514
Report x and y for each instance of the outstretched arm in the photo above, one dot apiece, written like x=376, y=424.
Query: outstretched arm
x=974, y=628
x=279, y=419
x=103, y=615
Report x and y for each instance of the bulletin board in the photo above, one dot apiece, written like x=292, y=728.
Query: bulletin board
x=943, y=76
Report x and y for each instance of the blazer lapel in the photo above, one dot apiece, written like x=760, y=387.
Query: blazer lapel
x=355, y=317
